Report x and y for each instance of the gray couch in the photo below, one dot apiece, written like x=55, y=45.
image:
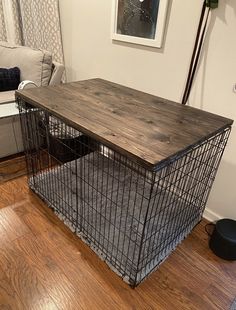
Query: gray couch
x=35, y=65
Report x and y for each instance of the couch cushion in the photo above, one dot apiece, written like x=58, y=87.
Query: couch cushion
x=34, y=64
x=9, y=78
x=7, y=96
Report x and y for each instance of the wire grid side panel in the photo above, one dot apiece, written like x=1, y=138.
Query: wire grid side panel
x=51, y=149
x=178, y=200
x=98, y=193
x=29, y=118
x=115, y=198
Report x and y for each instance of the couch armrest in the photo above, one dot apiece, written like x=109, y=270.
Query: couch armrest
x=26, y=84
x=57, y=74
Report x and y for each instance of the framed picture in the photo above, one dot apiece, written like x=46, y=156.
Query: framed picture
x=139, y=21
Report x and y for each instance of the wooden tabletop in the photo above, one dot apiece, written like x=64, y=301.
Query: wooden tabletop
x=144, y=127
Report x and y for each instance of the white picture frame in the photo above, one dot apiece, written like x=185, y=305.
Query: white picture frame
x=160, y=26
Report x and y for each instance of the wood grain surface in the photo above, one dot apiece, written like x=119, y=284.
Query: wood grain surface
x=43, y=265
x=145, y=127
x=12, y=167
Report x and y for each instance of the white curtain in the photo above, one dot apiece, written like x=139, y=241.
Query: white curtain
x=33, y=23
x=41, y=26
x=11, y=15
x=3, y=33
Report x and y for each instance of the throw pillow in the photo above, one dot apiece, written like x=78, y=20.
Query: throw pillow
x=9, y=78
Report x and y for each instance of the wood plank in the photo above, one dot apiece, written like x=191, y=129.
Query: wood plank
x=24, y=281
x=206, y=267
x=183, y=269
x=49, y=274
x=8, y=297
x=166, y=284
x=4, y=238
x=6, y=195
x=12, y=168
x=20, y=189
x=12, y=224
x=13, y=192
x=144, y=127
x=211, y=296
x=36, y=223
x=76, y=264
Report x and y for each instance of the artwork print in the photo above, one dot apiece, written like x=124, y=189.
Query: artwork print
x=137, y=18
x=139, y=21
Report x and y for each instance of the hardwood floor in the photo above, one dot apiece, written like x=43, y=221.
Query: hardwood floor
x=12, y=167
x=44, y=266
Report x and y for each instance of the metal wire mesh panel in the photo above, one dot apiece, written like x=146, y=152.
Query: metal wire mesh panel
x=132, y=217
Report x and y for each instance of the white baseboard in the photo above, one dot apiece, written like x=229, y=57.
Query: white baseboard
x=211, y=216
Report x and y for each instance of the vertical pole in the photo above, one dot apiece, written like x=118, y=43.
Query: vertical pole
x=196, y=53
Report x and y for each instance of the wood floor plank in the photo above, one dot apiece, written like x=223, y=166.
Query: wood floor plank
x=13, y=192
x=183, y=269
x=36, y=223
x=8, y=297
x=12, y=224
x=86, y=278
x=12, y=168
x=211, y=296
x=2, y=274
x=76, y=267
x=61, y=288
x=24, y=280
x=20, y=189
x=4, y=238
x=6, y=196
x=210, y=268
x=22, y=208
x=81, y=262
x=167, y=284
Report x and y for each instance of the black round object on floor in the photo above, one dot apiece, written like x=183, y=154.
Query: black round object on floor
x=223, y=239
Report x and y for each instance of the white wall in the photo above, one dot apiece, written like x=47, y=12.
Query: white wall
x=213, y=92
x=89, y=52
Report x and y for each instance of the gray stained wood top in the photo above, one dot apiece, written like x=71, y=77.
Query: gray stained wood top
x=144, y=127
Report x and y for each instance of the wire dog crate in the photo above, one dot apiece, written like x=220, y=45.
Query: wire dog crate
x=130, y=216
x=128, y=172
